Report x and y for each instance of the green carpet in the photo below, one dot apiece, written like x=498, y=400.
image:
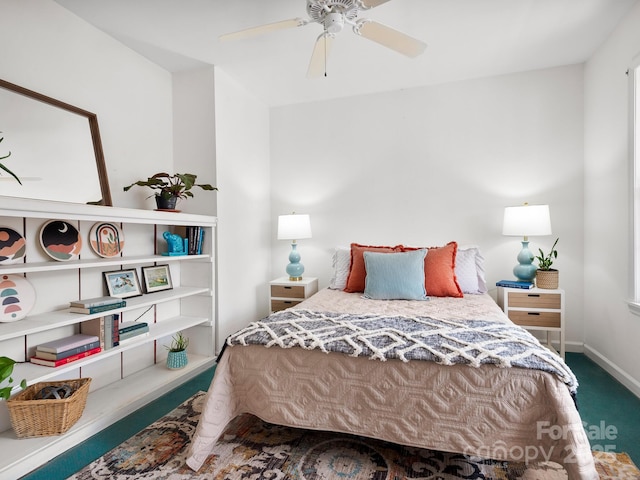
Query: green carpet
x=600, y=399
x=611, y=412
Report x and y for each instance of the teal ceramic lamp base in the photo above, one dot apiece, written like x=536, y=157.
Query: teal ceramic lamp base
x=525, y=271
x=295, y=268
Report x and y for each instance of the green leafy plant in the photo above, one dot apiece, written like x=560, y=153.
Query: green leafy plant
x=178, y=344
x=6, y=369
x=178, y=185
x=546, y=260
x=3, y=167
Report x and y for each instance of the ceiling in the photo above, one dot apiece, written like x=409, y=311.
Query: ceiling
x=465, y=38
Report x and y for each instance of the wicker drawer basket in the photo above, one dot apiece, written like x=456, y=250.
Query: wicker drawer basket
x=40, y=418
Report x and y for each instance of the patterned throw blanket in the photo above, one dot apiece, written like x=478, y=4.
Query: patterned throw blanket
x=381, y=337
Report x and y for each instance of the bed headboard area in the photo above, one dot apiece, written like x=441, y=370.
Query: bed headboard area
x=408, y=272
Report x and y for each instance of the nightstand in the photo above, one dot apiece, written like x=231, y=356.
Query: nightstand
x=535, y=309
x=286, y=293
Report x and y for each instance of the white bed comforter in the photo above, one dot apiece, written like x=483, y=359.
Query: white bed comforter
x=503, y=413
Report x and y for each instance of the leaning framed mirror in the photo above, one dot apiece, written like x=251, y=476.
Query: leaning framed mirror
x=55, y=149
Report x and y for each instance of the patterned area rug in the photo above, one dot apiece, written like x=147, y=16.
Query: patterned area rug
x=253, y=449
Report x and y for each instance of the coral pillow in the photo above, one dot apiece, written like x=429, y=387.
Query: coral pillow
x=357, y=272
x=439, y=271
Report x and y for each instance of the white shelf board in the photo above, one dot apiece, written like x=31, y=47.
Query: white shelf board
x=25, y=207
x=21, y=455
x=59, y=318
x=20, y=268
x=39, y=373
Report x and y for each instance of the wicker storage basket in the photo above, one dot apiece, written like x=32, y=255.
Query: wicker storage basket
x=39, y=418
x=547, y=279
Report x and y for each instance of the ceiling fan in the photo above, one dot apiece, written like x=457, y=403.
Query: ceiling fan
x=333, y=15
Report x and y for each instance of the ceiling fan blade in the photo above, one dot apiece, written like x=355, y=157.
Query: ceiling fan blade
x=321, y=50
x=373, y=3
x=269, y=27
x=390, y=38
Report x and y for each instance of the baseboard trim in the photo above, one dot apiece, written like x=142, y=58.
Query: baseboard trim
x=574, y=347
x=614, y=370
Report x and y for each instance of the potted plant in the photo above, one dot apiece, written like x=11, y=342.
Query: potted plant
x=6, y=369
x=3, y=167
x=169, y=188
x=547, y=277
x=177, y=356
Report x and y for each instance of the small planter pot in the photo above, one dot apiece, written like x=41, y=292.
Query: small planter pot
x=166, y=203
x=547, y=279
x=177, y=360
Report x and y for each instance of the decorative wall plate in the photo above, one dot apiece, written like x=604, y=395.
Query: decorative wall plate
x=106, y=239
x=17, y=298
x=12, y=246
x=60, y=240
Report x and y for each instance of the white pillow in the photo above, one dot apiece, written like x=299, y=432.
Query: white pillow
x=470, y=270
x=341, y=266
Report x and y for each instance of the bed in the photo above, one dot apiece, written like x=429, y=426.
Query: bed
x=473, y=398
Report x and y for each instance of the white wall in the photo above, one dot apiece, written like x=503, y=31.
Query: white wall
x=428, y=165
x=242, y=152
x=194, y=136
x=48, y=49
x=612, y=332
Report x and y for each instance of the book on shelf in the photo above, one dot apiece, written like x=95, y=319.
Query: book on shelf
x=101, y=308
x=95, y=302
x=64, y=361
x=515, y=284
x=67, y=353
x=134, y=332
x=130, y=326
x=108, y=331
x=194, y=237
x=115, y=329
x=101, y=327
x=67, y=343
x=95, y=326
x=134, y=338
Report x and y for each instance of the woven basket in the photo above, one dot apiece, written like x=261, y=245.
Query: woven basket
x=40, y=418
x=547, y=279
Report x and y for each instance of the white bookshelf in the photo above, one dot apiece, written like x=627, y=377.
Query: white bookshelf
x=126, y=377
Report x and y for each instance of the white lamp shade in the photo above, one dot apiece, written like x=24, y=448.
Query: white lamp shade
x=526, y=220
x=294, y=227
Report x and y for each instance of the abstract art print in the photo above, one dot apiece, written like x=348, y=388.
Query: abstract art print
x=17, y=296
x=60, y=240
x=12, y=246
x=106, y=239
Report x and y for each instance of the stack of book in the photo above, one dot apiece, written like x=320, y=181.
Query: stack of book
x=195, y=237
x=106, y=328
x=66, y=350
x=130, y=331
x=514, y=284
x=96, y=305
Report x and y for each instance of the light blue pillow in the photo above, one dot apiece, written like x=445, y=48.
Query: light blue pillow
x=395, y=276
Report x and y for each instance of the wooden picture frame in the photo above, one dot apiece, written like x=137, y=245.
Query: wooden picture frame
x=123, y=283
x=156, y=278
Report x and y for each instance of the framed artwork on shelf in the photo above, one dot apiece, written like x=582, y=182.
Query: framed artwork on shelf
x=156, y=278
x=123, y=283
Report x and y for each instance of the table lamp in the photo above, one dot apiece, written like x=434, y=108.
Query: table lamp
x=523, y=221
x=294, y=227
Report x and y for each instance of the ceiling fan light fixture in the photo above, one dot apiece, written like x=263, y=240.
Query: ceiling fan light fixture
x=333, y=23
x=333, y=15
